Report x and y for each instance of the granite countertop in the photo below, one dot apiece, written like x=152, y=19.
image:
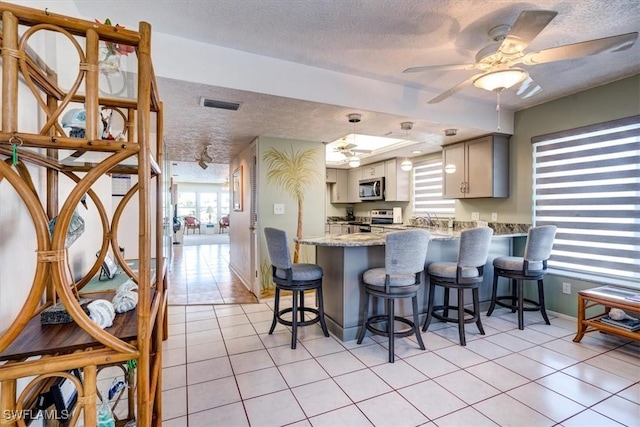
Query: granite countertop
x=378, y=239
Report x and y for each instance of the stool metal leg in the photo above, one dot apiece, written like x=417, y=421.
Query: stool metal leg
x=427, y=321
x=463, y=341
x=476, y=309
x=520, y=293
x=416, y=322
x=391, y=328
x=320, y=302
x=543, y=311
x=494, y=294
x=365, y=316
x=294, y=320
x=276, y=309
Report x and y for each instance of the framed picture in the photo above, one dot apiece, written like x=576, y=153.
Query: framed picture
x=237, y=189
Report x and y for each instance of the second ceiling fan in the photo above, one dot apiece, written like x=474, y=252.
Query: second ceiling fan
x=497, y=62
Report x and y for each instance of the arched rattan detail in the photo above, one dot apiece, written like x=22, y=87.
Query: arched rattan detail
x=104, y=219
x=40, y=223
x=58, y=269
x=114, y=231
x=34, y=382
x=52, y=115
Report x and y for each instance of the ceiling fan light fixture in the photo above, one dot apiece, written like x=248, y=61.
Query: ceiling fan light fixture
x=500, y=79
x=354, y=161
x=202, y=164
x=406, y=165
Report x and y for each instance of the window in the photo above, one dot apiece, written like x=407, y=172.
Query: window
x=587, y=183
x=427, y=190
x=186, y=204
x=208, y=208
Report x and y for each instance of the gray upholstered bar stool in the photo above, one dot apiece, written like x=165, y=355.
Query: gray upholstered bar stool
x=404, y=258
x=466, y=273
x=296, y=278
x=531, y=266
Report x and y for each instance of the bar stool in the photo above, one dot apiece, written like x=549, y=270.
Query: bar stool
x=466, y=273
x=405, y=255
x=296, y=278
x=531, y=266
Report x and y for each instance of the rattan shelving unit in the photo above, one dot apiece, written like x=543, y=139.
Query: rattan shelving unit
x=82, y=344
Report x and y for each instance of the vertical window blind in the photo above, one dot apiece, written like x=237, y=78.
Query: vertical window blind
x=587, y=183
x=427, y=190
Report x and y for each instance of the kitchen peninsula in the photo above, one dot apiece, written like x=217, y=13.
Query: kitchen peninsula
x=345, y=257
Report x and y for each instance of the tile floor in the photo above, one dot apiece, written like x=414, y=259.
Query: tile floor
x=221, y=368
x=201, y=275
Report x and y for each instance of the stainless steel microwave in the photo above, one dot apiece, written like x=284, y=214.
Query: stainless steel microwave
x=371, y=189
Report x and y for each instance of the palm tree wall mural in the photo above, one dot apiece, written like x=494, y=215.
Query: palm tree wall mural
x=293, y=172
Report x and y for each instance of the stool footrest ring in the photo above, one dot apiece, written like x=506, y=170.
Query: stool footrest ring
x=441, y=317
x=385, y=332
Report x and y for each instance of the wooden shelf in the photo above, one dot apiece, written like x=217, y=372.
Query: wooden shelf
x=608, y=297
x=28, y=349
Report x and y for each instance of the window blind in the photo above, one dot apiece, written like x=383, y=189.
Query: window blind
x=587, y=183
x=427, y=190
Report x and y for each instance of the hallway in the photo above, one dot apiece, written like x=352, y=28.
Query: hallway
x=201, y=275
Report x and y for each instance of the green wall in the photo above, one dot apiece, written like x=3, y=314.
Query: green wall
x=270, y=193
x=608, y=102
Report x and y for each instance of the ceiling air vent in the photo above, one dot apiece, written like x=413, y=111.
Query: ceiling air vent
x=214, y=103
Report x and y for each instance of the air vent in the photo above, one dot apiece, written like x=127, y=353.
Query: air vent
x=223, y=105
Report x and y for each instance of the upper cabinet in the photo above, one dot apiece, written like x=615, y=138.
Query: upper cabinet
x=397, y=185
x=339, y=190
x=374, y=170
x=477, y=168
x=354, y=177
x=331, y=176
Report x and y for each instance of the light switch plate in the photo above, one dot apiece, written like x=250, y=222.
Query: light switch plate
x=278, y=208
x=475, y=216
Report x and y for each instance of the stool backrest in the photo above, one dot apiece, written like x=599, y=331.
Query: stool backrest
x=539, y=243
x=278, y=247
x=406, y=251
x=474, y=247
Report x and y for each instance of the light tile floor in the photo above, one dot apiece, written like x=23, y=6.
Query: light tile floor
x=221, y=368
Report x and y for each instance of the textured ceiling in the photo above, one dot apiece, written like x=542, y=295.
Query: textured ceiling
x=369, y=38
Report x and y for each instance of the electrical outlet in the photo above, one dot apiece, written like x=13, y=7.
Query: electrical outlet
x=494, y=216
x=278, y=208
x=475, y=216
x=566, y=288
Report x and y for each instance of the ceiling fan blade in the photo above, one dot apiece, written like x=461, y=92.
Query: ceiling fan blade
x=528, y=88
x=577, y=50
x=455, y=89
x=452, y=67
x=357, y=150
x=528, y=25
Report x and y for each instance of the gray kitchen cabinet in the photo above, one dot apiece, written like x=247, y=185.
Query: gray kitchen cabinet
x=378, y=229
x=354, y=177
x=340, y=189
x=374, y=170
x=331, y=176
x=396, y=182
x=477, y=168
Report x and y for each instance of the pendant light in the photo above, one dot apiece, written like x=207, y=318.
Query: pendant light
x=354, y=161
x=406, y=164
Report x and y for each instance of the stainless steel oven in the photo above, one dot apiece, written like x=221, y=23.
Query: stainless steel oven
x=381, y=216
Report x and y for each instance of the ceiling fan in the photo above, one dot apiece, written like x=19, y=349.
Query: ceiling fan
x=349, y=150
x=497, y=61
